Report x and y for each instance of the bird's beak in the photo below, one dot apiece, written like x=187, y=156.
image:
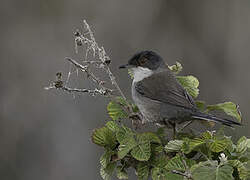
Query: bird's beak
x=124, y=66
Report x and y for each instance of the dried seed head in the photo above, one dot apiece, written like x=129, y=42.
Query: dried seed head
x=77, y=33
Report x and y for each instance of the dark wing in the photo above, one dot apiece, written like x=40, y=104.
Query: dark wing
x=166, y=89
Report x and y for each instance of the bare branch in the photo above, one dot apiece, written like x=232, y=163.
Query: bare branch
x=99, y=58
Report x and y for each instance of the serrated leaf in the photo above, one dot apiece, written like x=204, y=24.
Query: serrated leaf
x=207, y=135
x=176, y=68
x=213, y=143
x=159, y=170
x=191, y=144
x=176, y=163
x=174, y=146
x=106, y=172
x=159, y=161
x=124, y=134
x=243, y=169
x=142, y=171
x=190, y=83
x=228, y=107
x=218, y=145
x=142, y=151
x=125, y=137
x=113, y=126
x=106, y=158
x=210, y=170
x=104, y=137
x=156, y=148
x=121, y=173
x=179, y=163
x=242, y=145
x=126, y=147
x=116, y=108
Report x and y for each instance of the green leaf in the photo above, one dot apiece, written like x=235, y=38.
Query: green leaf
x=125, y=148
x=228, y=107
x=210, y=170
x=159, y=161
x=151, y=137
x=104, y=137
x=162, y=135
x=207, y=135
x=156, y=148
x=130, y=73
x=242, y=145
x=135, y=108
x=163, y=174
x=125, y=137
x=212, y=142
x=159, y=170
x=106, y=158
x=242, y=168
x=176, y=163
x=106, y=172
x=216, y=145
x=121, y=173
x=176, y=68
x=190, y=83
x=191, y=144
x=161, y=132
x=174, y=146
x=142, y=151
x=158, y=173
x=113, y=126
x=179, y=163
x=142, y=171
x=123, y=134
x=116, y=108
x=201, y=105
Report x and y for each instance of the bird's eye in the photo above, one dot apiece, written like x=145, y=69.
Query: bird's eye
x=142, y=61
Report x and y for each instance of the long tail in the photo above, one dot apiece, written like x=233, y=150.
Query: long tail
x=209, y=117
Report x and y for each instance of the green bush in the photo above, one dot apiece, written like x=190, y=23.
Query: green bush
x=209, y=155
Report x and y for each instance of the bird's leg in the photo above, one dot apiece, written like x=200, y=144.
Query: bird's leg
x=137, y=121
x=173, y=124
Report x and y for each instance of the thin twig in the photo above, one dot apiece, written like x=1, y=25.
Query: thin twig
x=101, y=59
x=185, y=174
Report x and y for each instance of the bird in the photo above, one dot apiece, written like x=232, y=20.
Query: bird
x=159, y=96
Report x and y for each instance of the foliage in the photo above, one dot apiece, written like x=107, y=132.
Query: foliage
x=209, y=155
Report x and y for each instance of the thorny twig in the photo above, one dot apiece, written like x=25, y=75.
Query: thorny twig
x=101, y=60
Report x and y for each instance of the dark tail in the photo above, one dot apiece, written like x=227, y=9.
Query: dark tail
x=209, y=117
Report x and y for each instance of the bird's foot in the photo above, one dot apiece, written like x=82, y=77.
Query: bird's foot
x=137, y=120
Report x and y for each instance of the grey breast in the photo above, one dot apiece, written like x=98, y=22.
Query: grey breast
x=160, y=97
x=149, y=108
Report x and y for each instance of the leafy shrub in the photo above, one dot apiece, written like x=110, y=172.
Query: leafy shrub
x=209, y=155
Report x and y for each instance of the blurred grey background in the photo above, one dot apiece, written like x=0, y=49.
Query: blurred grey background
x=45, y=135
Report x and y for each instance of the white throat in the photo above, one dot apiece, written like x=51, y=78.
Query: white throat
x=140, y=73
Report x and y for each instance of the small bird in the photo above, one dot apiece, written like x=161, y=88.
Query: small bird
x=159, y=96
